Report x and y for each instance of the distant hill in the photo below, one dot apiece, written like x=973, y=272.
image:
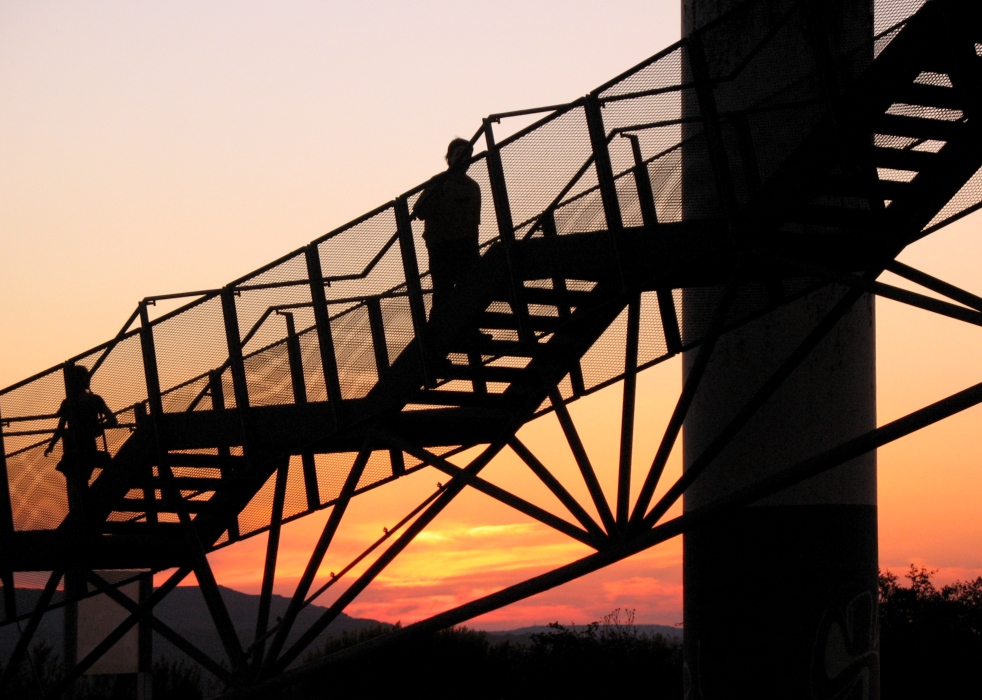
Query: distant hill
x=185, y=611
x=523, y=635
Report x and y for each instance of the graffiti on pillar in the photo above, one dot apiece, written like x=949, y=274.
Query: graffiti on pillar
x=846, y=656
x=691, y=682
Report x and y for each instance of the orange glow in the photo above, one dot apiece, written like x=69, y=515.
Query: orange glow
x=156, y=149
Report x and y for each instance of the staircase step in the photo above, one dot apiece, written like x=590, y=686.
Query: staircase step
x=916, y=127
x=466, y=399
x=503, y=348
x=903, y=160
x=135, y=505
x=836, y=217
x=507, y=375
x=930, y=95
x=496, y=319
x=550, y=297
x=204, y=461
x=894, y=190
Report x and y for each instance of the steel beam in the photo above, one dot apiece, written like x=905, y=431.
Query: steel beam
x=317, y=557
x=749, y=409
x=410, y=268
x=506, y=233
x=582, y=461
x=496, y=492
x=311, y=488
x=137, y=612
x=224, y=451
x=936, y=285
x=203, y=572
x=627, y=411
x=450, y=492
x=145, y=608
x=24, y=642
x=269, y=570
x=682, y=406
x=6, y=534
x=605, y=177
x=556, y=487
x=329, y=363
x=711, y=513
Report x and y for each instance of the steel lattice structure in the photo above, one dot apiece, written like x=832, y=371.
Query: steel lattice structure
x=324, y=374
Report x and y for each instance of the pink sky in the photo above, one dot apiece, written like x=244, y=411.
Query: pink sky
x=160, y=147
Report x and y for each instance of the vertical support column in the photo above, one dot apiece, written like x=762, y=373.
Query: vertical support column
x=627, y=411
x=506, y=231
x=194, y=548
x=605, y=177
x=376, y=323
x=74, y=586
x=6, y=534
x=548, y=226
x=649, y=215
x=233, y=339
x=329, y=361
x=300, y=399
x=646, y=194
x=150, y=374
x=771, y=591
x=144, y=661
x=224, y=450
x=410, y=267
x=269, y=570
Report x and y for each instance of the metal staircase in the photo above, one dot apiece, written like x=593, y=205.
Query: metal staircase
x=326, y=373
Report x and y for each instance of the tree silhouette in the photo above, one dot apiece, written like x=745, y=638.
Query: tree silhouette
x=930, y=638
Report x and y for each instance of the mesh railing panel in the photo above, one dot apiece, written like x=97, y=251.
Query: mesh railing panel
x=766, y=111
x=539, y=164
x=189, y=344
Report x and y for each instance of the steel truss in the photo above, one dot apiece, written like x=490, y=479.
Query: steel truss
x=602, y=249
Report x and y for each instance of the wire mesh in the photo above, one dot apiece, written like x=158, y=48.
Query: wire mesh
x=189, y=344
x=37, y=491
x=539, y=164
x=769, y=100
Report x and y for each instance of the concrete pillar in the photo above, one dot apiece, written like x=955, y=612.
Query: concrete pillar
x=780, y=601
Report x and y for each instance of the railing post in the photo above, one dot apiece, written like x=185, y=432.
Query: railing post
x=300, y=399
x=646, y=195
x=233, y=340
x=410, y=268
x=506, y=231
x=193, y=545
x=377, y=326
x=605, y=177
x=150, y=373
x=548, y=226
x=154, y=404
x=329, y=362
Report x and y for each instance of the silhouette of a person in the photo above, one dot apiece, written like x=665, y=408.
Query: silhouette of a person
x=451, y=209
x=82, y=419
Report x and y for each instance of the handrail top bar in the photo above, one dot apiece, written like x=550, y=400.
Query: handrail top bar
x=498, y=116
x=554, y=110
x=179, y=295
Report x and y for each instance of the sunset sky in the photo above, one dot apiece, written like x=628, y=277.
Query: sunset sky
x=149, y=148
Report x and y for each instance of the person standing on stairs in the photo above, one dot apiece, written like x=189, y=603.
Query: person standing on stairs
x=450, y=207
x=82, y=419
